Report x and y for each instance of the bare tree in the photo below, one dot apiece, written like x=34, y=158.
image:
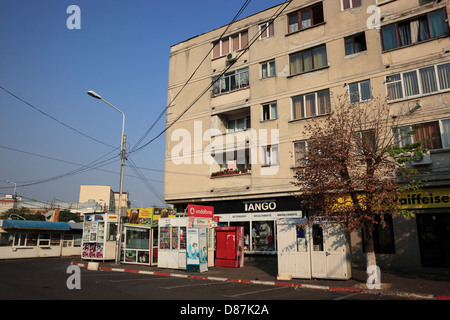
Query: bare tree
x=352, y=169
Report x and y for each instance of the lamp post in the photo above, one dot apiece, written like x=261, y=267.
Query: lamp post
x=122, y=148
x=15, y=193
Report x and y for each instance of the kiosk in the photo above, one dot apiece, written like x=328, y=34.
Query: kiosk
x=312, y=249
x=99, y=236
x=229, y=247
x=172, y=242
x=138, y=244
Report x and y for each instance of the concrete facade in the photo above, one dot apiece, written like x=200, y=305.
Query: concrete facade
x=269, y=91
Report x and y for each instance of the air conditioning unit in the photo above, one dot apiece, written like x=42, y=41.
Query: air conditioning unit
x=425, y=159
x=231, y=57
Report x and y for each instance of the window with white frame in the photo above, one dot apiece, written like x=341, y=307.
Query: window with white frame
x=268, y=69
x=349, y=4
x=433, y=135
x=300, y=156
x=269, y=111
x=270, y=155
x=238, y=124
x=418, y=82
x=266, y=30
x=360, y=91
x=403, y=33
x=228, y=44
x=311, y=104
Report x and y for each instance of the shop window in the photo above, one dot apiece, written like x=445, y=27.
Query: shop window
x=422, y=28
x=317, y=237
x=383, y=237
x=302, y=245
x=112, y=231
x=44, y=240
x=164, y=238
x=263, y=236
x=182, y=238
x=32, y=239
x=55, y=239
x=137, y=238
x=174, y=238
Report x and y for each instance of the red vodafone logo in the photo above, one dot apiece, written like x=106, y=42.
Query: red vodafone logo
x=200, y=211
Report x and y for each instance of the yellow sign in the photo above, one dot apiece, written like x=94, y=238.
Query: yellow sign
x=425, y=199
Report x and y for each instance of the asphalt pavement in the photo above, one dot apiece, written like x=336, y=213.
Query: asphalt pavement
x=424, y=284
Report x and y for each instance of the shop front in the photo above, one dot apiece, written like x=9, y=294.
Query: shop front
x=258, y=218
x=38, y=239
x=432, y=210
x=99, y=236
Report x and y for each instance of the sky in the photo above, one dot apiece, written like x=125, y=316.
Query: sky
x=53, y=136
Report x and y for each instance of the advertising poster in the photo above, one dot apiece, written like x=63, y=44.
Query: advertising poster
x=197, y=250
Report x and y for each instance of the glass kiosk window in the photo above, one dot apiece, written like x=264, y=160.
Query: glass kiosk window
x=317, y=235
x=183, y=238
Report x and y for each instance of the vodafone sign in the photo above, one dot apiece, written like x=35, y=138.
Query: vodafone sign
x=200, y=211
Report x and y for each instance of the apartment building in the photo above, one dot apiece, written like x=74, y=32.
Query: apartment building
x=235, y=128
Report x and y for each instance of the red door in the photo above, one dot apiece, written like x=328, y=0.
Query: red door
x=225, y=245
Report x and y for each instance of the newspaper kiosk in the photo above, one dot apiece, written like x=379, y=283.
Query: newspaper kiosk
x=172, y=243
x=312, y=249
x=99, y=236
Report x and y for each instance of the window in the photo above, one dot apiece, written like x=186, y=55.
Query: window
x=300, y=150
x=418, y=82
x=355, y=43
x=266, y=30
x=231, y=81
x=233, y=160
x=400, y=34
x=311, y=104
x=308, y=60
x=238, y=124
x=348, y=4
x=360, y=91
x=268, y=69
x=366, y=142
x=229, y=44
x=305, y=18
x=270, y=155
x=431, y=134
x=269, y=111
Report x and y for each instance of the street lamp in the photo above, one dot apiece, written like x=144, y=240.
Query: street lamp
x=15, y=193
x=122, y=148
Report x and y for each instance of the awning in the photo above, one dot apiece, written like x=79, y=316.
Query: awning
x=34, y=225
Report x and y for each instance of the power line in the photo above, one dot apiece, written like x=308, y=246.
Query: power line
x=273, y=18
x=53, y=118
x=247, y=2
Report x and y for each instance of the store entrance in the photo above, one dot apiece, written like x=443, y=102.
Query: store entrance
x=434, y=239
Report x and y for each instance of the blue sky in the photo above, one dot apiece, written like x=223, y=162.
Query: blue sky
x=50, y=128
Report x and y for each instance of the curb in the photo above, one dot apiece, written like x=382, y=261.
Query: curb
x=274, y=283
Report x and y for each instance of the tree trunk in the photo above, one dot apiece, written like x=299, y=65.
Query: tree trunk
x=373, y=272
